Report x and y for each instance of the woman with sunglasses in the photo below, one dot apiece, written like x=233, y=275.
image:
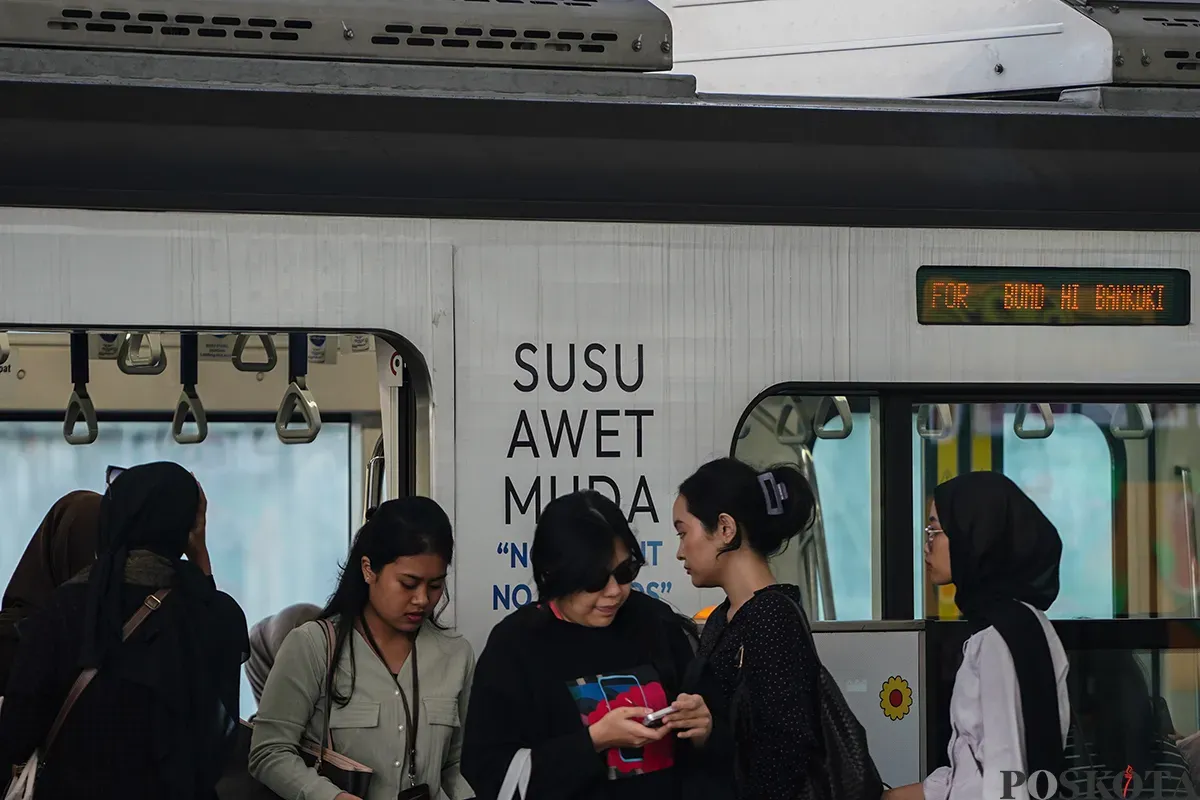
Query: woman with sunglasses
x=573, y=677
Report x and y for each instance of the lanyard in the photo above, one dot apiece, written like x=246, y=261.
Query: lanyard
x=412, y=717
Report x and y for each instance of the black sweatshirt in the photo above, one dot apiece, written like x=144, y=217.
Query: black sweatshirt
x=541, y=681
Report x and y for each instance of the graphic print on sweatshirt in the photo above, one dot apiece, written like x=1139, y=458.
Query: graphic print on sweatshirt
x=596, y=695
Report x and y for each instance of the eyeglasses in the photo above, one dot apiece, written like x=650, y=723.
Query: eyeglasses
x=931, y=532
x=626, y=572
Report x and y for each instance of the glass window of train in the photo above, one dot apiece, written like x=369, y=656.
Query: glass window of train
x=1118, y=482
x=1138, y=706
x=279, y=517
x=834, y=441
x=1069, y=475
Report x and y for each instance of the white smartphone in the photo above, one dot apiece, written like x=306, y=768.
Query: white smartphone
x=655, y=718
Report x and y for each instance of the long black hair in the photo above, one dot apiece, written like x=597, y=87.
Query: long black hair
x=572, y=550
x=769, y=507
x=409, y=526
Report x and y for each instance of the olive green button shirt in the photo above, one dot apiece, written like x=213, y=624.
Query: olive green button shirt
x=372, y=728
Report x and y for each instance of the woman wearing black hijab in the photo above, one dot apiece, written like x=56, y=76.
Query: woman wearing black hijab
x=64, y=544
x=158, y=719
x=1010, y=708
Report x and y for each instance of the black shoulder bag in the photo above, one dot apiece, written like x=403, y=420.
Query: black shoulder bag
x=845, y=771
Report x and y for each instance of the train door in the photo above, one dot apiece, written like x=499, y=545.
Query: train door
x=287, y=434
x=1116, y=479
x=1115, y=474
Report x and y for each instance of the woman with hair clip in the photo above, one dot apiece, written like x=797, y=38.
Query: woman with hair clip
x=755, y=654
x=401, y=682
x=1010, y=709
x=573, y=678
x=158, y=719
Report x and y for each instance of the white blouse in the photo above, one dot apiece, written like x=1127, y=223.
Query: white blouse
x=987, y=732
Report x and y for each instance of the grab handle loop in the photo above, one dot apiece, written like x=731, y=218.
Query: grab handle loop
x=239, y=350
x=133, y=361
x=189, y=398
x=1043, y=432
x=5, y=348
x=298, y=398
x=80, y=406
x=842, y=406
x=1139, y=423
x=935, y=421
x=800, y=437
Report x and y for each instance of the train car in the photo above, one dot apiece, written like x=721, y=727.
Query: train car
x=483, y=252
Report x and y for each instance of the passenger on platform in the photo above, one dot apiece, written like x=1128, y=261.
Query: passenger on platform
x=267, y=636
x=572, y=677
x=402, y=680
x=158, y=718
x=755, y=656
x=64, y=544
x=1010, y=709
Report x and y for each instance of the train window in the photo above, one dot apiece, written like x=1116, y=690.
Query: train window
x=1136, y=707
x=1115, y=479
x=279, y=517
x=834, y=441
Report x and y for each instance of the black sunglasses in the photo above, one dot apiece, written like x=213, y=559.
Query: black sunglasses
x=625, y=572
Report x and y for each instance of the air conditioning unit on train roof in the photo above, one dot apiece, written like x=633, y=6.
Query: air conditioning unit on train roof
x=933, y=48
x=614, y=35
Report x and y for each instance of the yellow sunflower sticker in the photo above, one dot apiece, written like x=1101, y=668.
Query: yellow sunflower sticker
x=895, y=698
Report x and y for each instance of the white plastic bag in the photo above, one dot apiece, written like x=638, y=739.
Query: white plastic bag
x=516, y=780
x=21, y=787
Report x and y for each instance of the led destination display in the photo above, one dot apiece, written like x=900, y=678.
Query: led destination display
x=1052, y=296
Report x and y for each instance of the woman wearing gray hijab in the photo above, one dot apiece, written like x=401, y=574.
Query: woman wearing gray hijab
x=267, y=637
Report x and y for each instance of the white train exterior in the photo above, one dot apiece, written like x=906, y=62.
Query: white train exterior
x=592, y=277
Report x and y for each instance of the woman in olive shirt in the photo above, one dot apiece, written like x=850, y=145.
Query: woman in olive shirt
x=397, y=669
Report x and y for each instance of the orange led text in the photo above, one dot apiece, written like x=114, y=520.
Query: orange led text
x=949, y=294
x=1129, y=297
x=1024, y=296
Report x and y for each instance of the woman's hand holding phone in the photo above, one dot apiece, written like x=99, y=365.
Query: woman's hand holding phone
x=691, y=718
x=622, y=727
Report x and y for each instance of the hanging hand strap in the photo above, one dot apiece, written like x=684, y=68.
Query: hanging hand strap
x=151, y=604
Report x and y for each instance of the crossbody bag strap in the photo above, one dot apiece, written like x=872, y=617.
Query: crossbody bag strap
x=327, y=737
x=151, y=604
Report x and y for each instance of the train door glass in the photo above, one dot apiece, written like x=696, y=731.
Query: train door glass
x=1119, y=487
x=835, y=442
x=1068, y=469
x=279, y=517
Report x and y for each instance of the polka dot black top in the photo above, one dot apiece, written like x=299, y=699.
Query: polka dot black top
x=768, y=676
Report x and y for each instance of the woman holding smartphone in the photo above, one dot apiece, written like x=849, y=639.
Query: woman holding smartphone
x=589, y=679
